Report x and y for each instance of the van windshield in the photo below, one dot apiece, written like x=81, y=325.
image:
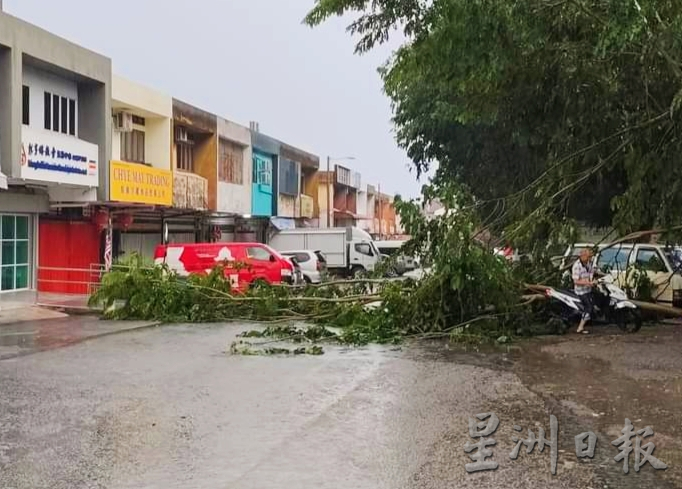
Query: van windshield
x=389, y=251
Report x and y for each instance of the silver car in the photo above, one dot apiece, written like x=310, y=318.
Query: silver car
x=313, y=264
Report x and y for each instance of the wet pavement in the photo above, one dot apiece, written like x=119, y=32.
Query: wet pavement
x=169, y=408
x=32, y=333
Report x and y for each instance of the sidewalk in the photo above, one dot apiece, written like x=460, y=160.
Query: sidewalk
x=67, y=301
x=21, y=334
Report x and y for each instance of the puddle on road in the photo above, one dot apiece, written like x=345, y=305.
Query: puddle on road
x=17, y=339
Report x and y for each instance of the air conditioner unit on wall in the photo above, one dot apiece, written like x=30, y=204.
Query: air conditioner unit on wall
x=124, y=122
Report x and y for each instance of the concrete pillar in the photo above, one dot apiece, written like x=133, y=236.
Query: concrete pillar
x=10, y=116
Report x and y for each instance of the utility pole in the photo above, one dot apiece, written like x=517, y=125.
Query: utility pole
x=329, y=191
x=381, y=211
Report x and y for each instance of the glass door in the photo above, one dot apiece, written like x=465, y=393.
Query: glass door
x=14, y=252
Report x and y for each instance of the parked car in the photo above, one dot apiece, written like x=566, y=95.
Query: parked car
x=298, y=277
x=313, y=264
x=245, y=263
x=659, y=263
x=417, y=273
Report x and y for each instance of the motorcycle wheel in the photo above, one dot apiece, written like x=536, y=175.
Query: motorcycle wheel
x=628, y=320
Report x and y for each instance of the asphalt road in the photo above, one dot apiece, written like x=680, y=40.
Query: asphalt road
x=169, y=408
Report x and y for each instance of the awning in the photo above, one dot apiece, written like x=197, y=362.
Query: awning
x=282, y=223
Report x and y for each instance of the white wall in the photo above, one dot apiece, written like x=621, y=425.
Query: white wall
x=40, y=82
x=322, y=203
x=286, y=206
x=157, y=110
x=116, y=144
x=361, y=203
x=135, y=95
x=62, y=193
x=157, y=142
x=234, y=198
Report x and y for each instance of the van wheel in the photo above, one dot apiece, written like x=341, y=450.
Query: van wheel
x=307, y=280
x=259, y=283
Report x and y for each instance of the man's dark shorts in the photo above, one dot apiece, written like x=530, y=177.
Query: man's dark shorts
x=588, y=304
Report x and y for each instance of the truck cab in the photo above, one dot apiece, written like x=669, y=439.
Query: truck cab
x=363, y=254
x=392, y=248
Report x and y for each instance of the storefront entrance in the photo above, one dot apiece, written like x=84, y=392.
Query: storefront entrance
x=69, y=257
x=16, y=252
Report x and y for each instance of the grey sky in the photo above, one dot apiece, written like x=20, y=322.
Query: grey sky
x=247, y=60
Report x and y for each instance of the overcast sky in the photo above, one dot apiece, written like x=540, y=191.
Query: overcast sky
x=247, y=60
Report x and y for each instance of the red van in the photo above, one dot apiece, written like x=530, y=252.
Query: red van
x=261, y=262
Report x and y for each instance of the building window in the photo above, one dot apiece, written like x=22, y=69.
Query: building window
x=132, y=146
x=14, y=253
x=26, y=105
x=72, y=117
x=288, y=177
x=60, y=114
x=262, y=170
x=48, y=111
x=231, y=163
x=343, y=176
x=185, y=154
x=65, y=115
x=55, y=113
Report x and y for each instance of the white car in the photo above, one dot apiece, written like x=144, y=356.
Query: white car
x=313, y=264
x=417, y=273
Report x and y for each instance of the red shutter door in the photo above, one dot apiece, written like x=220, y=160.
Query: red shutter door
x=70, y=247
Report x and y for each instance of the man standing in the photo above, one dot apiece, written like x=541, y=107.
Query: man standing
x=583, y=280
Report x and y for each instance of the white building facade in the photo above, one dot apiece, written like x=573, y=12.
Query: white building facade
x=54, y=137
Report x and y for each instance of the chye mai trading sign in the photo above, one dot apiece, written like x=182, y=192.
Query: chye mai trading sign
x=52, y=157
x=133, y=182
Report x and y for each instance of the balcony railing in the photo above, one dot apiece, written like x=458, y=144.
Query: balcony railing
x=190, y=191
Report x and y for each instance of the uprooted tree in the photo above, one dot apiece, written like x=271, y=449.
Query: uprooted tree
x=539, y=114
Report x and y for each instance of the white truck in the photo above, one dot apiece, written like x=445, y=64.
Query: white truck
x=348, y=251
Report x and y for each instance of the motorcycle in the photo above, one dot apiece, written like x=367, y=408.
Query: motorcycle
x=611, y=306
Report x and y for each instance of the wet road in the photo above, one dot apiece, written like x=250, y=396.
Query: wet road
x=168, y=408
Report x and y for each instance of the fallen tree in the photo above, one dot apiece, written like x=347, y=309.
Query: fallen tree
x=470, y=294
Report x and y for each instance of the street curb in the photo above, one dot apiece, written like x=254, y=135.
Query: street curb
x=153, y=324
x=71, y=311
